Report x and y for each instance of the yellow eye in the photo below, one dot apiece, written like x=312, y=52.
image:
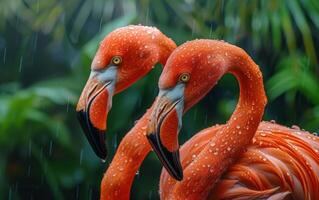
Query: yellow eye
x=116, y=60
x=184, y=77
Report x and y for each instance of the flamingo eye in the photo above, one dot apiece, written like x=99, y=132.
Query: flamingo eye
x=184, y=77
x=116, y=60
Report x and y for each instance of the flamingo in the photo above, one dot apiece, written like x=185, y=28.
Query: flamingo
x=124, y=56
x=242, y=159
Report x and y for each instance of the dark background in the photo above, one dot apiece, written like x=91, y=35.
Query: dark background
x=46, y=47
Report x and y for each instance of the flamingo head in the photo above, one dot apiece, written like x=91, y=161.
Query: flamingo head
x=124, y=56
x=190, y=72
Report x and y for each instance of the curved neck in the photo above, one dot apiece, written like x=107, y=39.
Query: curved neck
x=244, y=122
x=117, y=180
x=232, y=139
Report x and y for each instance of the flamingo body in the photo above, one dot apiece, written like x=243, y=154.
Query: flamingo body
x=280, y=162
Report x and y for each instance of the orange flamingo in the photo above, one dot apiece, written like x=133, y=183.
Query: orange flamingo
x=124, y=56
x=243, y=159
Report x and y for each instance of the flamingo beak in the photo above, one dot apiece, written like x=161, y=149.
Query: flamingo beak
x=163, y=128
x=93, y=107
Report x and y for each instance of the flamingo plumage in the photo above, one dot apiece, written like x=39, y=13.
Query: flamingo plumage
x=243, y=159
x=124, y=56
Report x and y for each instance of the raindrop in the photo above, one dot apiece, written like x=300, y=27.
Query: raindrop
x=16, y=187
x=273, y=121
x=20, y=63
x=81, y=156
x=147, y=15
x=137, y=172
x=193, y=27
x=115, y=142
x=10, y=193
x=67, y=104
x=77, y=192
x=30, y=148
x=295, y=127
x=210, y=31
x=90, y=193
x=4, y=55
x=35, y=42
x=101, y=20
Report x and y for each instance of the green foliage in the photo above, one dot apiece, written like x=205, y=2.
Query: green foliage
x=46, y=48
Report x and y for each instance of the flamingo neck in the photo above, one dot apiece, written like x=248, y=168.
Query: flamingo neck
x=225, y=147
x=243, y=123
x=118, y=178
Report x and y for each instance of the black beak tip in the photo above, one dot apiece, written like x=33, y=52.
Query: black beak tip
x=180, y=176
x=176, y=167
x=170, y=160
x=178, y=170
x=95, y=136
